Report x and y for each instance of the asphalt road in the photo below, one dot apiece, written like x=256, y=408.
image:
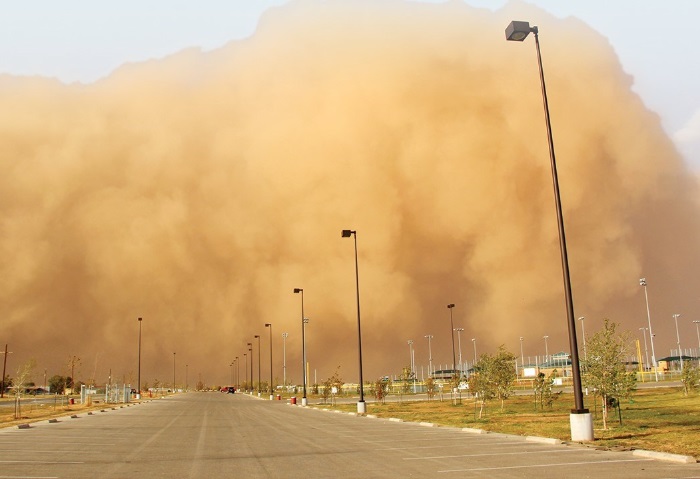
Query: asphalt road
x=199, y=435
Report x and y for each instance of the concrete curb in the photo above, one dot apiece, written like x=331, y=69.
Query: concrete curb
x=543, y=440
x=395, y=419
x=427, y=424
x=664, y=456
x=472, y=430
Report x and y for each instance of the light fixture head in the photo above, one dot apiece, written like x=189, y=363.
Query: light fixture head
x=518, y=31
x=347, y=233
x=298, y=290
x=267, y=325
x=451, y=305
x=642, y=281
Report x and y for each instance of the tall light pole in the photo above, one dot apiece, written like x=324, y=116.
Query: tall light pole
x=522, y=356
x=257, y=336
x=646, y=351
x=429, y=337
x=173, y=373
x=284, y=358
x=139, y=367
x=580, y=419
x=250, y=356
x=269, y=325
x=187, y=371
x=237, y=377
x=474, y=343
x=452, y=336
x=459, y=342
x=678, y=340
x=410, y=362
x=303, y=344
x=697, y=331
x=583, y=332
x=245, y=369
x=546, y=349
x=361, y=407
x=643, y=282
x=231, y=366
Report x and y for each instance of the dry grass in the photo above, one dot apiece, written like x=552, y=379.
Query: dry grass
x=660, y=419
x=30, y=412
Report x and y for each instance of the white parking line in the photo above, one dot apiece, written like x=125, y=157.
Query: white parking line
x=585, y=463
x=489, y=454
x=509, y=443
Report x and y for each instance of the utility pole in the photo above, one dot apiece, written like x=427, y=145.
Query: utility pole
x=4, y=367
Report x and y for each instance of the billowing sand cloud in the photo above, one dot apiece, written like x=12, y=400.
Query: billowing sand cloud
x=197, y=191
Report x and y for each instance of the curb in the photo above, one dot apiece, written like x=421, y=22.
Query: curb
x=472, y=430
x=543, y=440
x=427, y=424
x=664, y=456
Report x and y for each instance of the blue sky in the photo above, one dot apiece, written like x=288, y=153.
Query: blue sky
x=83, y=40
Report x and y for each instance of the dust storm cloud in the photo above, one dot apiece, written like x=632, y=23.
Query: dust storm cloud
x=198, y=190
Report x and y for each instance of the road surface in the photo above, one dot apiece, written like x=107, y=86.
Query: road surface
x=207, y=435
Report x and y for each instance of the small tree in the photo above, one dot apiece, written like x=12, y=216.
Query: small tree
x=381, y=389
x=332, y=382
x=543, y=390
x=405, y=378
x=503, y=374
x=605, y=369
x=690, y=376
x=430, y=387
x=22, y=379
x=481, y=382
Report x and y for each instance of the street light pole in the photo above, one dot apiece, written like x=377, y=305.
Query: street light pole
x=643, y=282
x=522, y=356
x=303, y=344
x=646, y=351
x=245, y=369
x=410, y=362
x=361, y=407
x=580, y=419
x=284, y=358
x=139, y=368
x=583, y=332
x=459, y=342
x=546, y=349
x=430, y=355
x=250, y=355
x=697, y=331
x=474, y=343
x=173, y=373
x=257, y=336
x=237, y=378
x=678, y=340
x=269, y=325
x=452, y=336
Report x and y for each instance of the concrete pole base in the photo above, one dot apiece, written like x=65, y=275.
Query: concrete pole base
x=272, y=397
x=581, y=426
x=361, y=407
x=304, y=402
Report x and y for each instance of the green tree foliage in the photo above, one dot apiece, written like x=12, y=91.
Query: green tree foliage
x=690, y=377
x=381, y=389
x=57, y=384
x=406, y=379
x=544, y=396
x=494, y=377
x=335, y=381
x=430, y=387
x=503, y=374
x=605, y=371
